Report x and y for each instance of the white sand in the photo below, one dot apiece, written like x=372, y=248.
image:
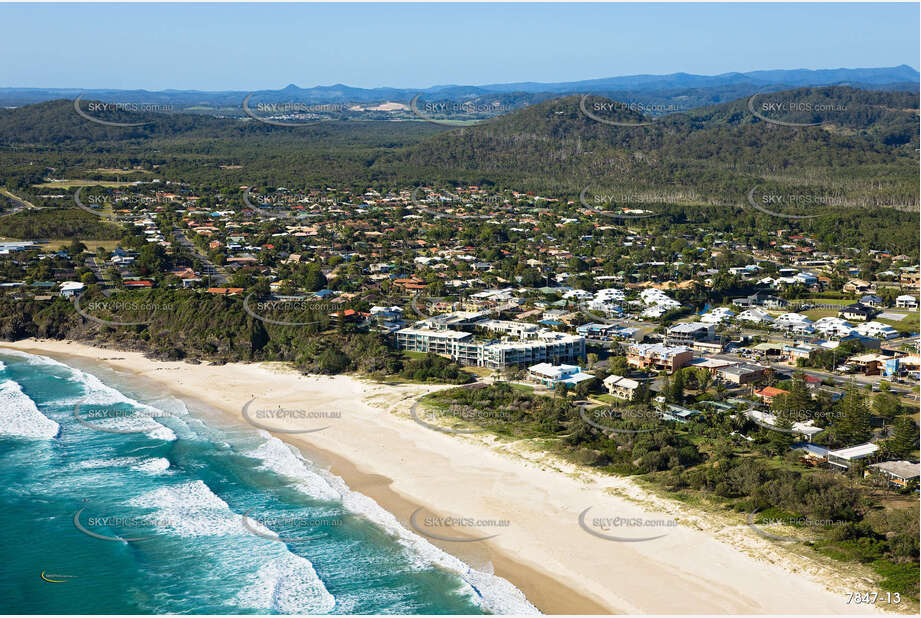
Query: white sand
x=704, y=565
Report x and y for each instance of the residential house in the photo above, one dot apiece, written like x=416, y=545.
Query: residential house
x=685, y=333
x=621, y=387
x=901, y=474
x=768, y=393
x=754, y=315
x=550, y=375
x=846, y=458
x=906, y=301
x=69, y=289
x=857, y=312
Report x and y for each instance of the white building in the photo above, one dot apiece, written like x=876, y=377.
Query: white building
x=69, y=289
x=577, y=295
x=876, y=329
x=551, y=375
x=719, y=315
x=906, y=301
x=796, y=322
x=754, y=315
x=621, y=387
x=834, y=327
x=612, y=294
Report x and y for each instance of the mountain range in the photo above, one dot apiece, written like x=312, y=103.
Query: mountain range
x=691, y=90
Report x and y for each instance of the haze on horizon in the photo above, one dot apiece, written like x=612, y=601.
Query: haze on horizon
x=248, y=47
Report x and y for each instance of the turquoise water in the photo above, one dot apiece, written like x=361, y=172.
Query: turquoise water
x=159, y=508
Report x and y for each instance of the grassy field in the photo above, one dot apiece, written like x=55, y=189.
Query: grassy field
x=827, y=301
x=815, y=314
x=91, y=244
x=609, y=399
x=112, y=170
x=910, y=322
x=67, y=184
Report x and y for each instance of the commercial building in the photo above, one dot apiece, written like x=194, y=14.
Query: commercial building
x=658, y=357
x=741, y=374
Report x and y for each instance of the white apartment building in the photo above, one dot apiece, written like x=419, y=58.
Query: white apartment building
x=546, y=346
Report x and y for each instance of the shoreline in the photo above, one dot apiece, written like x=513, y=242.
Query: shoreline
x=371, y=447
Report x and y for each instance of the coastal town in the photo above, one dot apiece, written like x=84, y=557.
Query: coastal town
x=460, y=309
x=521, y=287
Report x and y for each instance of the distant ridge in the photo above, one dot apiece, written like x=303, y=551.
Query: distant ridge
x=708, y=89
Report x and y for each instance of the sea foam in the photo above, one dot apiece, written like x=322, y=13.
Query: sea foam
x=287, y=585
x=288, y=462
x=98, y=393
x=19, y=416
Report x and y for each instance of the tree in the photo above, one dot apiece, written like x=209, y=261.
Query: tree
x=313, y=278
x=886, y=405
x=904, y=438
x=641, y=395
x=703, y=379
x=677, y=387
x=152, y=259
x=854, y=425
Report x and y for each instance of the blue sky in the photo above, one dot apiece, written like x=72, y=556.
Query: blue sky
x=250, y=46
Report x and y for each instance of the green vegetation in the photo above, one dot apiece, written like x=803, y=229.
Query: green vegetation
x=57, y=223
x=704, y=461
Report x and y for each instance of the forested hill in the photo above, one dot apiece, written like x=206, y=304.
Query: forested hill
x=861, y=153
x=57, y=124
x=865, y=149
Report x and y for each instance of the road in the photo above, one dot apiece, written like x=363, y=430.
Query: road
x=98, y=269
x=217, y=275
x=18, y=203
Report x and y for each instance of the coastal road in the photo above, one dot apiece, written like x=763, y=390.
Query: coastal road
x=215, y=273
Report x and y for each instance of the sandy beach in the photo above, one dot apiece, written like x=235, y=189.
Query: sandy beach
x=702, y=565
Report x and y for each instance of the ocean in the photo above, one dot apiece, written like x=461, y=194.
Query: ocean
x=117, y=500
